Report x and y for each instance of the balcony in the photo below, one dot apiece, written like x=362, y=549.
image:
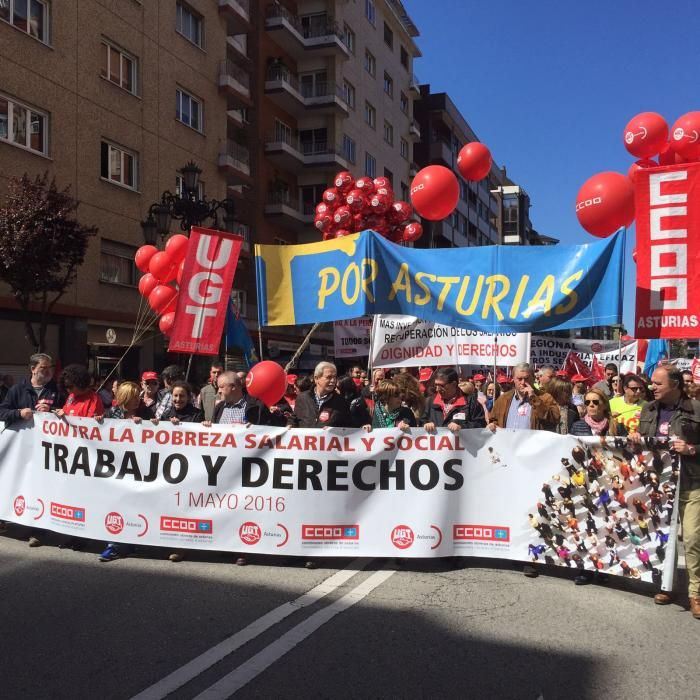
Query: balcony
x=414, y=128
x=288, y=210
x=295, y=97
x=237, y=14
x=237, y=117
x=243, y=230
x=319, y=38
x=234, y=159
x=442, y=152
x=414, y=83
x=238, y=44
x=413, y=169
x=290, y=153
x=235, y=83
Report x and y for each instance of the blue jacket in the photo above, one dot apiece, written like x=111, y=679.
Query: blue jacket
x=24, y=395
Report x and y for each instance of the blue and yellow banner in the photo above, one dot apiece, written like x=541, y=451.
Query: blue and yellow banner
x=506, y=289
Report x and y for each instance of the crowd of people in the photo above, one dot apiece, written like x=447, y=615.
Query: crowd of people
x=633, y=406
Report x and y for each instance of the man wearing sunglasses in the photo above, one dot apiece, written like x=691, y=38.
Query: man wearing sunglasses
x=675, y=416
x=627, y=408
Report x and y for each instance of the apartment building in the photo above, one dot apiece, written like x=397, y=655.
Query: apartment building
x=111, y=97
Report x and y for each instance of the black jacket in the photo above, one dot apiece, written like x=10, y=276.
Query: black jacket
x=24, y=395
x=189, y=414
x=256, y=413
x=334, y=412
x=466, y=411
x=581, y=428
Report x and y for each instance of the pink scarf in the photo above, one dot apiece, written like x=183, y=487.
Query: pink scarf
x=597, y=426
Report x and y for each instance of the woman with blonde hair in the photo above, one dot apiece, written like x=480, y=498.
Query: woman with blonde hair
x=127, y=404
x=598, y=419
x=389, y=409
x=411, y=394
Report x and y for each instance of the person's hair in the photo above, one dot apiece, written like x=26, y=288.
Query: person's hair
x=605, y=403
x=386, y=389
x=126, y=392
x=181, y=384
x=611, y=365
x=356, y=367
x=347, y=388
x=522, y=367
x=447, y=373
x=304, y=383
x=674, y=375
x=76, y=376
x=467, y=386
x=548, y=367
x=321, y=367
x=172, y=373
x=216, y=364
x=38, y=357
x=560, y=391
x=633, y=378
x=410, y=392
x=687, y=371
x=231, y=378
x=496, y=389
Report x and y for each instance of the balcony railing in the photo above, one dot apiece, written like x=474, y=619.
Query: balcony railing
x=306, y=148
x=319, y=88
x=235, y=72
x=236, y=152
x=314, y=30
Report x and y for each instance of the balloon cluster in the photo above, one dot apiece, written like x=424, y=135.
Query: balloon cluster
x=605, y=202
x=162, y=274
x=354, y=205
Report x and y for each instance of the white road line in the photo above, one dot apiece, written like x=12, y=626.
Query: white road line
x=201, y=663
x=235, y=680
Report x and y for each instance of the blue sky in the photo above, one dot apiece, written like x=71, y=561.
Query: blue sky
x=549, y=85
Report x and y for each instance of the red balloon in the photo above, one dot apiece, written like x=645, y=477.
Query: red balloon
x=605, y=203
x=365, y=185
x=670, y=157
x=147, y=284
x=344, y=181
x=161, y=297
x=411, y=232
x=359, y=222
x=646, y=134
x=322, y=209
x=331, y=196
x=323, y=222
x=176, y=247
x=396, y=233
x=685, y=136
x=342, y=215
x=166, y=323
x=382, y=182
x=355, y=200
x=434, y=192
x=180, y=270
x=640, y=165
x=162, y=267
x=401, y=211
x=143, y=256
x=379, y=203
x=474, y=161
x=339, y=233
x=267, y=381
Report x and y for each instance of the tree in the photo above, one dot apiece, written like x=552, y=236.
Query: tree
x=41, y=247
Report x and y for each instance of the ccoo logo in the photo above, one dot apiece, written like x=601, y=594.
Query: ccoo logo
x=114, y=523
x=58, y=510
x=250, y=533
x=402, y=537
x=19, y=505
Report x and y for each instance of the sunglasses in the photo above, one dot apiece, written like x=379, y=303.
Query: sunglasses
x=150, y=381
x=634, y=388
x=592, y=402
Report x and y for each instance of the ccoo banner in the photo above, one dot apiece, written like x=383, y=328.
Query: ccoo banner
x=510, y=495
x=493, y=289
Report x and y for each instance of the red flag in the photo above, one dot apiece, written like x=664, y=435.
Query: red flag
x=597, y=370
x=573, y=365
x=205, y=287
x=695, y=369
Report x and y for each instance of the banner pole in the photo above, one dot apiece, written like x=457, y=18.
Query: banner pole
x=495, y=356
x=189, y=366
x=370, y=366
x=260, y=344
x=669, y=571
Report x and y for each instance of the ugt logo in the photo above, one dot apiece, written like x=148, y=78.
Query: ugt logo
x=250, y=533
x=402, y=537
x=19, y=505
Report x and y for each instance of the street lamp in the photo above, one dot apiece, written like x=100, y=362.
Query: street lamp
x=187, y=208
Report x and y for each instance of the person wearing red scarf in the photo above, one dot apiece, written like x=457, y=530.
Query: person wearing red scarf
x=451, y=408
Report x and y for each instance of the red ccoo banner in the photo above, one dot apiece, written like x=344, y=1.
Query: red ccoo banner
x=205, y=288
x=668, y=250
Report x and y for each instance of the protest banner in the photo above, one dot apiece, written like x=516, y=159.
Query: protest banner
x=667, y=206
x=406, y=341
x=548, y=350
x=205, y=288
x=351, y=338
x=510, y=495
x=493, y=289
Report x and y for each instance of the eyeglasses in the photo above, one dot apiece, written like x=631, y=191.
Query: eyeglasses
x=634, y=388
x=150, y=381
x=592, y=402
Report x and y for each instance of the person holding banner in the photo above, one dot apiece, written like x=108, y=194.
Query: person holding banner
x=524, y=407
x=450, y=407
x=321, y=407
x=673, y=415
x=598, y=419
x=389, y=410
x=238, y=408
x=181, y=409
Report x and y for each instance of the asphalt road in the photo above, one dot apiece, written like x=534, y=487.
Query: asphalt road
x=72, y=627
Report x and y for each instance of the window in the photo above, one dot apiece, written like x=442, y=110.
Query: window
x=349, y=94
x=188, y=110
x=313, y=141
x=189, y=23
x=314, y=84
x=370, y=115
x=117, y=263
x=23, y=126
x=388, y=133
x=349, y=38
x=371, y=12
x=30, y=16
x=404, y=103
x=118, y=165
x=370, y=63
x=349, y=149
x=310, y=196
x=404, y=58
x=389, y=176
x=388, y=36
x=118, y=67
x=370, y=165
x=283, y=132
x=404, y=192
x=239, y=297
x=179, y=189
x=388, y=85
x=403, y=148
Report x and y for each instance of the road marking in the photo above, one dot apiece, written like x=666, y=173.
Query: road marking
x=204, y=661
x=245, y=673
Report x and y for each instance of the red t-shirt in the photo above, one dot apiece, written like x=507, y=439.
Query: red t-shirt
x=85, y=406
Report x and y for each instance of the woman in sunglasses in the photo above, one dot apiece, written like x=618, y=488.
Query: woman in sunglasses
x=598, y=419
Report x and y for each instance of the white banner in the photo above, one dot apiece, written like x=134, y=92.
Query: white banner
x=547, y=350
x=351, y=338
x=405, y=341
x=512, y=495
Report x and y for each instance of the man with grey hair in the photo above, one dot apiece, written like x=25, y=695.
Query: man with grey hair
x=321, y=406
x=523, y=407
x=544, y=376
x=236, y=407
